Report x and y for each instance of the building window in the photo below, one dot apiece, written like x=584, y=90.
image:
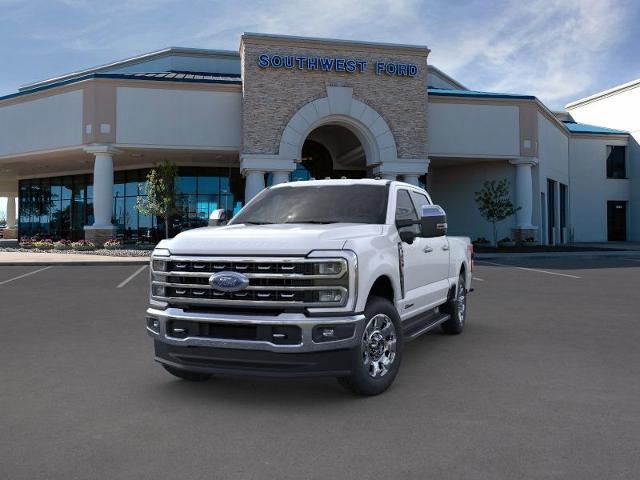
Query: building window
x=616, y=161
x=60, y=207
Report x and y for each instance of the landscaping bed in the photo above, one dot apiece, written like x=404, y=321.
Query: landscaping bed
x=123, y=252
x=539, y=248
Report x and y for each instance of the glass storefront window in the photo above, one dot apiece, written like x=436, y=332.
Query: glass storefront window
x=59, y=207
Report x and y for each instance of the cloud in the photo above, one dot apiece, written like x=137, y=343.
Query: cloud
x=550, y=49
x=557, y=50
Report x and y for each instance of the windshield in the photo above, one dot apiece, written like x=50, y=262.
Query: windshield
x=317, y=204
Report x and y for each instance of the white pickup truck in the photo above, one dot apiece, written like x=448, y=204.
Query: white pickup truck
x=322, y=277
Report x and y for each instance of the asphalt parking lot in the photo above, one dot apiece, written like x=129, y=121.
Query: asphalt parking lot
x=543, y=383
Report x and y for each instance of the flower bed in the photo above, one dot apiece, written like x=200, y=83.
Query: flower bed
x=83, y=245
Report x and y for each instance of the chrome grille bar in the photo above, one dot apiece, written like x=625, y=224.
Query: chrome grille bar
x=273, y=281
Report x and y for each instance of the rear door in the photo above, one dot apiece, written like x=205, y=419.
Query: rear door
x=436, y=251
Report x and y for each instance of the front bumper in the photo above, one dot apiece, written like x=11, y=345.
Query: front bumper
x=303, y=353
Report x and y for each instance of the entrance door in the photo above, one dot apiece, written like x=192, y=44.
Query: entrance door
x=617, y=221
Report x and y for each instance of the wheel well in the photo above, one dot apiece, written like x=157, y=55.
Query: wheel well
x=452, y=290
x=382, y=287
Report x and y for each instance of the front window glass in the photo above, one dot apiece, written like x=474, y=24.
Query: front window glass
x=406, y=211
x=317, y=204
x=616, y=162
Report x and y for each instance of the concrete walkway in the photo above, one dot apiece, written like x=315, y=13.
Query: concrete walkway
x=592, y=253
x=33, y=258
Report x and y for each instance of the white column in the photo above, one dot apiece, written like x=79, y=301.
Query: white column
x=524, y=192
x=280, y=177
x=412, y=179
x=103, y=189
x=254, y=183
x=11, y=211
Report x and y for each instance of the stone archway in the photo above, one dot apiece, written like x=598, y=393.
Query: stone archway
x=340, y=108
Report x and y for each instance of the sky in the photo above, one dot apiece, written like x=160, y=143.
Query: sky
x=557, y=50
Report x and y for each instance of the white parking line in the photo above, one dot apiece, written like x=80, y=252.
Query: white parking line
x=132, y=276
x=25, y=275
x=529, y=269
x=478, y=279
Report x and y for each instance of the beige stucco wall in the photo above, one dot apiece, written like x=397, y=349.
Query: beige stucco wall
x=272, y=96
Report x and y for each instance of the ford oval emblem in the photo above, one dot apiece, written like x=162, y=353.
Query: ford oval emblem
x=228, y=281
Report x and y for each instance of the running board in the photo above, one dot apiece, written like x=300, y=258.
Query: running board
x=416, y=326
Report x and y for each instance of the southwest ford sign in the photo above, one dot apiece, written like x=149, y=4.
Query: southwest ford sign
x=335, y=64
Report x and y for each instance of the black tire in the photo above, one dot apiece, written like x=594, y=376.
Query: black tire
x=375, y=362
x=456, y=307
x=187, y=375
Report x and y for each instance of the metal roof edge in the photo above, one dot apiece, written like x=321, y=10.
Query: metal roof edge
x=603, y=93
x=446, y=76
x=122, y=76
x=130, y=61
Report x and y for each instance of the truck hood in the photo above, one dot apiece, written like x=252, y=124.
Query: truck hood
x=278, y=239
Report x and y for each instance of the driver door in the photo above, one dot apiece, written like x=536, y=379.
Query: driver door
x=418, y=277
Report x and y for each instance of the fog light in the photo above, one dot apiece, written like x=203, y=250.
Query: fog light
x=332, y=268
x=153, y=324
x=328, y=333
x=329, y=296
x=158, y=291
x=159, y=265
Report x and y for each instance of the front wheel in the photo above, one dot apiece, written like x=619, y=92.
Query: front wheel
x=375, y=362
x=456, y=307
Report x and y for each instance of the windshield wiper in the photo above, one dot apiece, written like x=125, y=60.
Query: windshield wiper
x=258, y=223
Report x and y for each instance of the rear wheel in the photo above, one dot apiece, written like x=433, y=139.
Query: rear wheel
x=375, y=362
x=187, y=375
x=456, y=307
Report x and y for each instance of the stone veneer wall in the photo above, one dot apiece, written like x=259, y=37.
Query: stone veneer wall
x=271, y=96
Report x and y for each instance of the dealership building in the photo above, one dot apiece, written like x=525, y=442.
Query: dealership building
x=75, y=149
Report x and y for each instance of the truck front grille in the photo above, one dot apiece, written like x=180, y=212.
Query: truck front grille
x=272, y=282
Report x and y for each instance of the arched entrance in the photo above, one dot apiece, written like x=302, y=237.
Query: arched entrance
x=346, y=117
x=332, y=151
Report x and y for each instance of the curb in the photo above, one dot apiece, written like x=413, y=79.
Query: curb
x=81, y=263
x=595, y=254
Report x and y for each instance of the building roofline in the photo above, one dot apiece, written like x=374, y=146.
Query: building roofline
x=119, y=76
x=320, y=40
x=131, y=61
x=445, y=92
x=446, y=76
x=604, y=93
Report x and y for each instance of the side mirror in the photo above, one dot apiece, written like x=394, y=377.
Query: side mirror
x=434, y=221
x=218, y=217
x=408, y=236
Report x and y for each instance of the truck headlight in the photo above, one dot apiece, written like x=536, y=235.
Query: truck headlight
x=329, y=268
x=159, y=265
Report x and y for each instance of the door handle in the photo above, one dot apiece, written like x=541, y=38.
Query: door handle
x=427, y=249
x=445, y=247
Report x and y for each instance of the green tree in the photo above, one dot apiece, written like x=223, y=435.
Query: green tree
x=160, y=200
x=494, y=203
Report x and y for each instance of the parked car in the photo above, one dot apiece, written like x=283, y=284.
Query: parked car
x=328, y=277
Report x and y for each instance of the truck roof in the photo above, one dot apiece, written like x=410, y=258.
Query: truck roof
x=342, y=181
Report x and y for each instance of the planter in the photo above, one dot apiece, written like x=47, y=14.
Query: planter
x=507, y=244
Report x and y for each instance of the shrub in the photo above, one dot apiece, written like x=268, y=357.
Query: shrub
x=26, y=242
x=62, y=245
x=43, y=244
x=112, y=244
x=481, y=241
x=83, y=245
